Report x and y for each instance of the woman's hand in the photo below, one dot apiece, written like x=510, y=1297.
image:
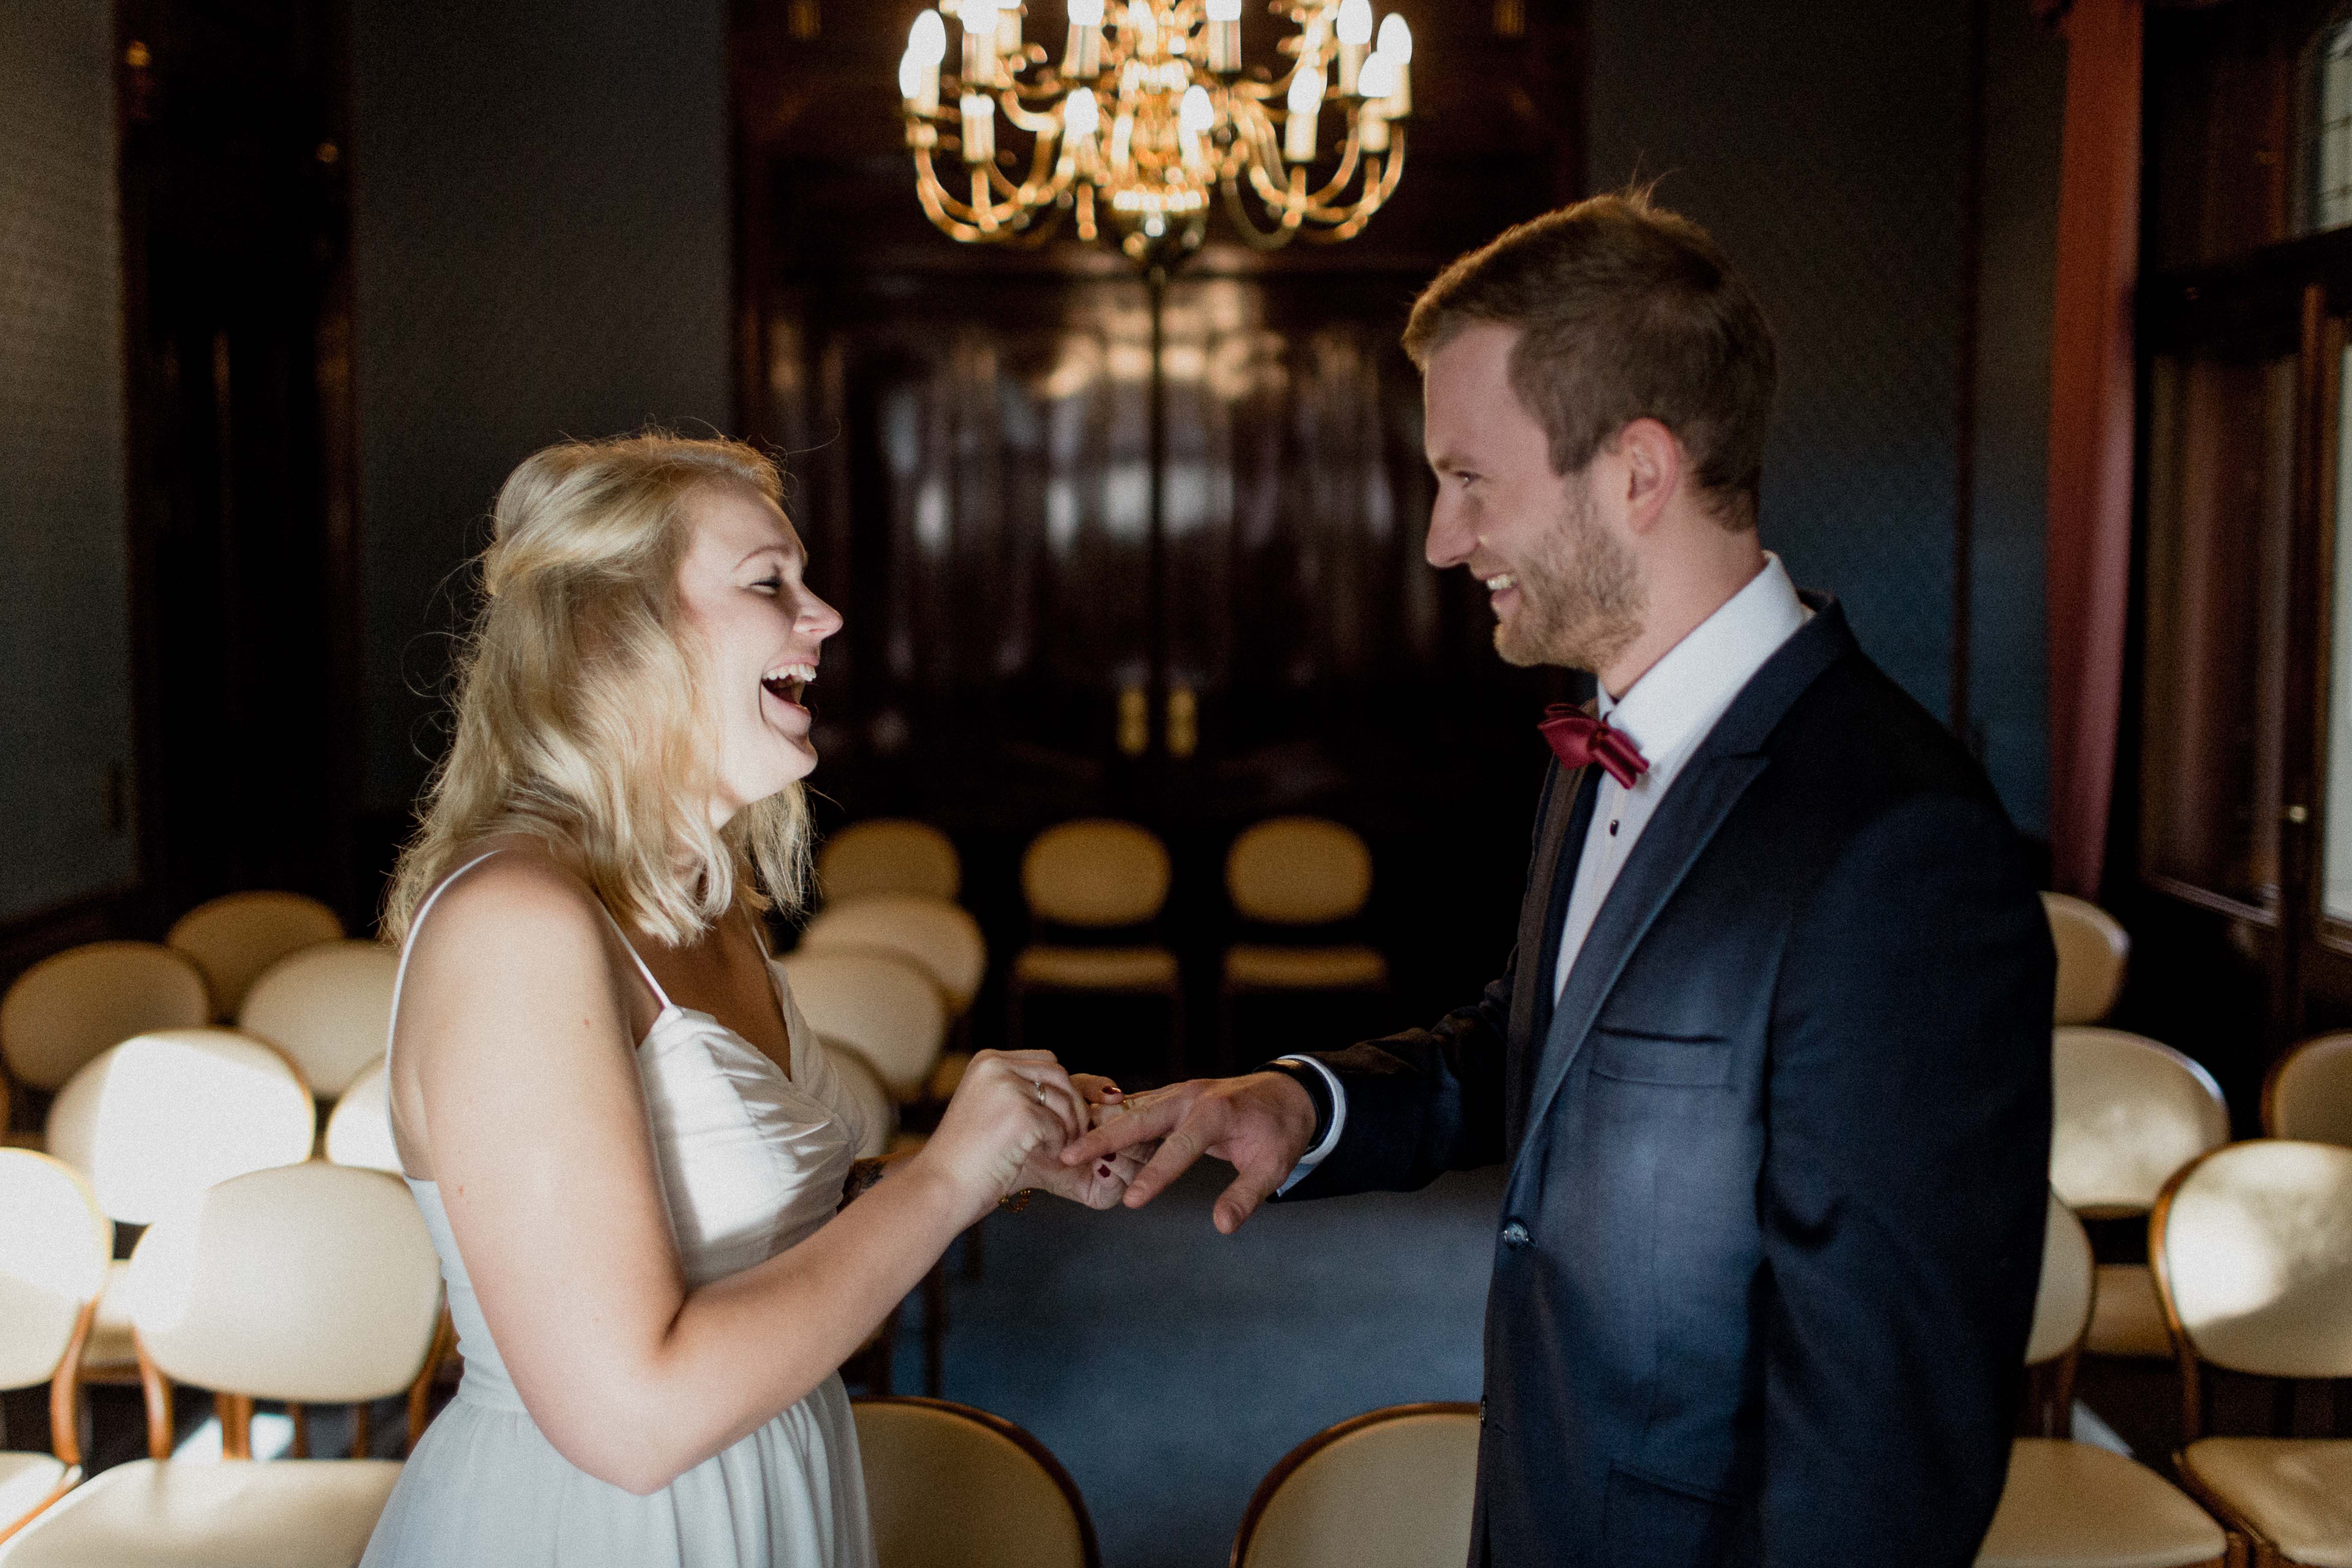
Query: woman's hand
x=1011, y=1106
x=1100, y=1184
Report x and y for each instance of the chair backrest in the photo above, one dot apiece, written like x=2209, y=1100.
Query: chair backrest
x=1392, y=1489
x=1095, y=871
x=932, y=934
x=888, y=855
x=883, y=1008
x=1298, y=870
x=329, y=1008
x=2308, y=1094
x=952, y=1487
x=312, y=1282
x=2092, y=950
x=359, y=1129
x=864, y=1086
x=53, y=1246
x=156, y=1120
x=2062, y=1302
x=237, y=936
x=2251, y=1246
x=2129, y=1112
x=69, y=1006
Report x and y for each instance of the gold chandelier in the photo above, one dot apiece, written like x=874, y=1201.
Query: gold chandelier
x=1148, y=112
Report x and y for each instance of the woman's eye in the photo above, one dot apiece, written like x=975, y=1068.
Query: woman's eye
x=769, y=586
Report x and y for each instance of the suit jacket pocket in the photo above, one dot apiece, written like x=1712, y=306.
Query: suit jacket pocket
x=1651, y=1524
x=1692, y=1063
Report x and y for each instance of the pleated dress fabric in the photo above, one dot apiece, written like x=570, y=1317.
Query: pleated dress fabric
x=751, y=1163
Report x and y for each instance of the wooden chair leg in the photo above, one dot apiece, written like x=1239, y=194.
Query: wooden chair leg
x=234, y=1413
x=300, y=1449
x=362, y=1431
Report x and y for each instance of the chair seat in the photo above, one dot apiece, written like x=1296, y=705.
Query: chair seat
x=2071, y=1505
x=2125, y=1319
x=1096, y=968
x=1249, y=967
x=26, y=1482
x=279, y=1513
x=2297, y=1491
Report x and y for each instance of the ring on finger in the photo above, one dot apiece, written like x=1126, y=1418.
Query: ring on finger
x=1040, y=1088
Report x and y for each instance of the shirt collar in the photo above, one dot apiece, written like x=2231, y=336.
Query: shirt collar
x=1699, y=677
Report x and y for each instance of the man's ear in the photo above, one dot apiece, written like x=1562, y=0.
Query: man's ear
x=1650, y=460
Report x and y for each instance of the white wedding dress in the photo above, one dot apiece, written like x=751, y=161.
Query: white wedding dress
x=751, y=1163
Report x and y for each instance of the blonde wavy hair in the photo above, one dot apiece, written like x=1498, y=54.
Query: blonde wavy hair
x=582, y=716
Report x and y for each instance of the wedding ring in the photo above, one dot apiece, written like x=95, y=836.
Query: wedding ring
x=1040, y=1092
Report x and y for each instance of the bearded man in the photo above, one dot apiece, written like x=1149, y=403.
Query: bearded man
x=1769, y=1066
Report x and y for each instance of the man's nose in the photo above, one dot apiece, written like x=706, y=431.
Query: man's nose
x=1449, y=540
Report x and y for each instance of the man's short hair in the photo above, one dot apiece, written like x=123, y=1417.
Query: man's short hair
x=1625, y=310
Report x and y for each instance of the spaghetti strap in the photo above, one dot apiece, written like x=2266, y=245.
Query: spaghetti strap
x=400, y=975
x=637, y=958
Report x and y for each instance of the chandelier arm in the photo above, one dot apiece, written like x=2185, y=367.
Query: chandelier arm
x=1255, y=237
x=1044, y=125
x=970, y=222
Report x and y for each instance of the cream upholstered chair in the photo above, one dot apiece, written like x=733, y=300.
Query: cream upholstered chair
x=885, y=1009
x=236, y=937
x=359, y=1129
x=2308, y=1093
x=935, y=936
x=888, y=855
x=1299, y=871
x=2073, y=1505
x=1097, y=874
x=69, y=1006
x=329, y=1008
x=155, y=1121
x=312, y=1284
x=1392, y=1489
x=54, y=1244
x=865, y=1088
x=2127, y=1114
x=952, y=1487
x=2091, y=951
x=2253, y=1249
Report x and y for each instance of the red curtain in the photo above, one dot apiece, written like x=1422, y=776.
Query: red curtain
x=2089, y=524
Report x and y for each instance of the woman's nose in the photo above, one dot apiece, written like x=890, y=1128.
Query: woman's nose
x=819, y=618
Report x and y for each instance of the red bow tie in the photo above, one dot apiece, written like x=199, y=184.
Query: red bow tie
x=1579, y=739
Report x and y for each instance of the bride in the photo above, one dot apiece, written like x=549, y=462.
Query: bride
x=628, y=1146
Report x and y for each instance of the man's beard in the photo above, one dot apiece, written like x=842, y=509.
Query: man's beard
x=1581, y=598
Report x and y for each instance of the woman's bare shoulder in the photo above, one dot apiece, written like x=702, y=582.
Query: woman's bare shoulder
x=518, y=915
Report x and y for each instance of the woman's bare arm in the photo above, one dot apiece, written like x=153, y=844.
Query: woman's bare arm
x=514, y=1029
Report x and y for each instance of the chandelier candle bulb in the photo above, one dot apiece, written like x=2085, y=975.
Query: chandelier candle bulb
x=1355, y=31
x=1144, y=25
x=1194, y=117
x=1008, y=35
x=1396, y=43
x=918, y=84
x=1222, y=35
x=1082, y=55
x=1306, y=104
x=1377, y=81
x=979, y=129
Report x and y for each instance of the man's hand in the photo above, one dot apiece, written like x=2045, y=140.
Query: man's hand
x=1260, y=1125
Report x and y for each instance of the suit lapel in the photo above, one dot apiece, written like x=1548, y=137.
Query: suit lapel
x=1728, y=761
x=1567, y=804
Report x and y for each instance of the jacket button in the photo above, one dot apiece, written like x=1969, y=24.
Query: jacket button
x=1514, y=1235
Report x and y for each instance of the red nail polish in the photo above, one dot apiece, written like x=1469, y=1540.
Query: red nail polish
x=1102, y=1170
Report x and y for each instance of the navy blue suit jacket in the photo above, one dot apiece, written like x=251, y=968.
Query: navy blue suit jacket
x=1778, y=1157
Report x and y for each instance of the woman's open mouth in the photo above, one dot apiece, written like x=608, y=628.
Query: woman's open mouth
x=789, y=683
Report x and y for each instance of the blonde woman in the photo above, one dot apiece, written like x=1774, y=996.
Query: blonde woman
x=626, y=1143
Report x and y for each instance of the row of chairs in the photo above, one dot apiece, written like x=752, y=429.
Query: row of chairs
x=2252, y=1252
x=1092, y=883
x=349, y=1313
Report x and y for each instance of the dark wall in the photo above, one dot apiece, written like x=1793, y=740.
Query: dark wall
x=65, y=710
x=1825, y=145
x=542, y=239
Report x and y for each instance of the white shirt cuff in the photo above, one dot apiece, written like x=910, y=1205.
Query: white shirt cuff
x=1314, y=1157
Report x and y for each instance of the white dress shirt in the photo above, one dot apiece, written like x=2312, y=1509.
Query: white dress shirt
x=1666, y=714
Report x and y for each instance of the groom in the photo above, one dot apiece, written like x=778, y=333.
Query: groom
x=1769, y=1066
